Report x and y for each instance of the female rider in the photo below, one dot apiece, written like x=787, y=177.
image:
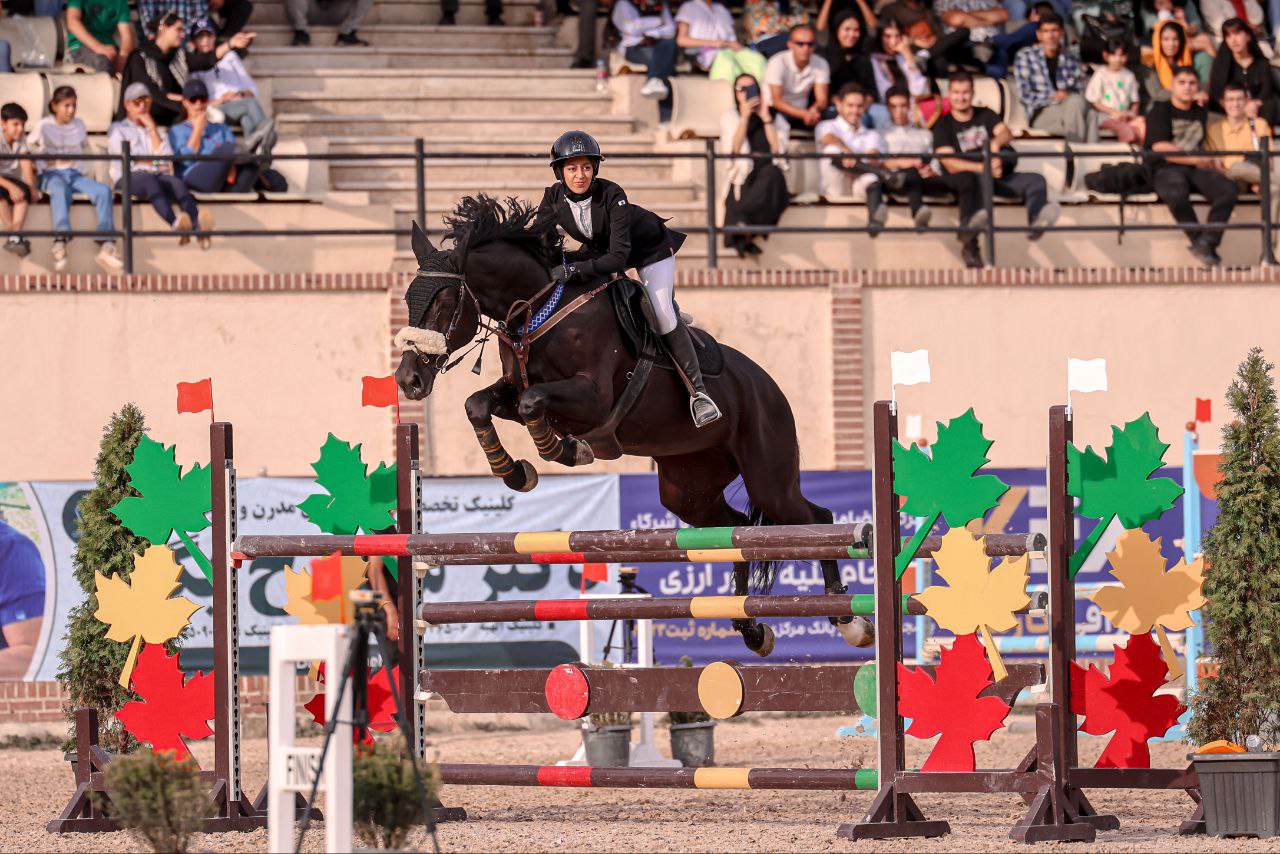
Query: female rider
x=615, y=236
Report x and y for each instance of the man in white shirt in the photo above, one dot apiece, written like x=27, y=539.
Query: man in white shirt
x=920, y=176
x=847, y=176
x=798, y=82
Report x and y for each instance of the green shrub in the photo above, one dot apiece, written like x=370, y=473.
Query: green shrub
x=160, y=800
x=687, y=717
x=387, y=803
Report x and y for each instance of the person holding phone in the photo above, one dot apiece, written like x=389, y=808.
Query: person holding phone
x=757, y=187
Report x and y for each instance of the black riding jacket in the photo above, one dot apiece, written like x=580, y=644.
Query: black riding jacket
x=623, y=235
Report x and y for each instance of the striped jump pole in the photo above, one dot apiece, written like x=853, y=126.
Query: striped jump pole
x=818, y=779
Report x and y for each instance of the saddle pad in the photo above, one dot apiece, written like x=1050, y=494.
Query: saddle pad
x=630, y=304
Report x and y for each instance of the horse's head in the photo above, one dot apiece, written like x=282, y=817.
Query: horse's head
x=443, y=318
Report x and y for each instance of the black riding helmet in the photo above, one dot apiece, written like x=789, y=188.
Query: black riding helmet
x=571, y=144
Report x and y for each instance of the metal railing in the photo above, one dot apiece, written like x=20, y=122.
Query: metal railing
x=419, y=158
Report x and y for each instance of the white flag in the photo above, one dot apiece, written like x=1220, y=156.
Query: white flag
x=1086, y=375
x=910, y=368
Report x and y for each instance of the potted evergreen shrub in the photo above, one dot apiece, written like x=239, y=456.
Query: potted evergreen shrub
x=693, y=734
x=1241, y=703
x=157, y=797
x=386, y=801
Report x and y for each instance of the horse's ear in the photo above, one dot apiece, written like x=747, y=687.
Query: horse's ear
x=422, y=248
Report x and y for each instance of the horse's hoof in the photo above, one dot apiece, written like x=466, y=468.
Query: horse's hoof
x=858, y=632
x=523, y=479
x=759, y=639
x=582, y=453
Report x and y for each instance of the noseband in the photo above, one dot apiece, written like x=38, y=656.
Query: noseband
x=433, y=351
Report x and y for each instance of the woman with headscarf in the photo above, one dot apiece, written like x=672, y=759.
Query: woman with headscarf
x=1170, y=50
x=757, y=188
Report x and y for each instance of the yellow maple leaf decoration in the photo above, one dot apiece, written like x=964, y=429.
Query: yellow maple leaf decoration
x=297, y=585
x=140, y=609
x=1151, y=597
x=976, y=598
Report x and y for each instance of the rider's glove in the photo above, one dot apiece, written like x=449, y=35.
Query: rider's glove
x=565, y=272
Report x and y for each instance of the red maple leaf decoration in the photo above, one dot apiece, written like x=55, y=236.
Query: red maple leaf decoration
x=170, y=709
x=948, y=704
x=1124, y=701
x=382, y=706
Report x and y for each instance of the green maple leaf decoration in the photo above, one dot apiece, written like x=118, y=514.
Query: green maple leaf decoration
x=945, y=484
x=171, y=502
x=1121, y=485
x=357, y=501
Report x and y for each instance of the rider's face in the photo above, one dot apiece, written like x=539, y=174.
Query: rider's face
x=578, y=173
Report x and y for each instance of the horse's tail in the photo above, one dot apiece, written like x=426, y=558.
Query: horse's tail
x=760, y=573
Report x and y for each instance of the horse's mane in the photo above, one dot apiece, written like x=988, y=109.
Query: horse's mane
x=478, y=220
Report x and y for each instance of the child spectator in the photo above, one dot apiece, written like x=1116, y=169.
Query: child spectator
x=1113, y=92
x=1242, y=62
x=99, y=34
x=757, y=188
x=153, y=180
x=233, y=91
x=797, y=83
x=844, y=135
x=1238, y=131
x=893, y=66
x=63, y=137
x=199, y=135
x=969, y=130
x=649, y=38
x=1050, y=83
x=918, y=173
x=1174, y=127
x=768, y=23
x=705, y=30
x=17, y=178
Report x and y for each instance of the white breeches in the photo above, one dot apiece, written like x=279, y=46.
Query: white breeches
x=659, y=280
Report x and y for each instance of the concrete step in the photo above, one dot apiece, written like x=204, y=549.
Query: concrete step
x=551, y=104
x=536, y=130
x=409, y=35
x=438, y=82
x=655, y=195
x=462, y=142
x=470, y=13
x=325, y=56
x=479, y=171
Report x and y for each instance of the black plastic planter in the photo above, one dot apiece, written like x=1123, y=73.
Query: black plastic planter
x=1241, y=793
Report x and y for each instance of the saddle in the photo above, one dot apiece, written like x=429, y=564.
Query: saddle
x=636, y=320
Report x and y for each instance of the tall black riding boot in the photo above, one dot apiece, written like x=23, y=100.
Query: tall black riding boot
x=679, y=343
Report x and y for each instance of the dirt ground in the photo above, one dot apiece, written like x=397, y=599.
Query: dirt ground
x=36, y=784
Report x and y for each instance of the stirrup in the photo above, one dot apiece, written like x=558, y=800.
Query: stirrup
x=703, y=409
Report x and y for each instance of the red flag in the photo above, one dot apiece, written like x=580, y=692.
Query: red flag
x=1204, y=411
x=381, y=391
x=593, y=572
x=196, y=396
x=326, y=577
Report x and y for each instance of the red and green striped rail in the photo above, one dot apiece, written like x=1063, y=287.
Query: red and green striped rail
x=820, y=779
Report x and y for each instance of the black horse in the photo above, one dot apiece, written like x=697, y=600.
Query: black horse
x=569, y=381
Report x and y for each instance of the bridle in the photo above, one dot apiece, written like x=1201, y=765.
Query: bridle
x=440, y=361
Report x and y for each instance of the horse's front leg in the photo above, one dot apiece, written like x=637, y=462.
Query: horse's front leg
x=575, y=399
x=499, y=399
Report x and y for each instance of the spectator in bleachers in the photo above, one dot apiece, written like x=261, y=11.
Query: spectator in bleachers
x=64, y=137
x=848, y=53
x=768, y=23
x=1051, y=83
x=1113, y=93
x=1241, y=61
x=164, y=64
x=1215, y=13
x=1176, y=126
x=346, y=15
x=757, y=188
x=1170, y=50
x=649, y=38
x=705, y=31
x=909, y=141
x=199, y=134
x=233, y=91
x=798, y=82
x=34, y=8
x=492, y=13
x=234, y=15
x=893, y=65
x=937, y=48
x=17, y=178
x=833, y=11
x=99, y=34
x=982, y=19
x=843, y=175
x=189, y=11
x=1196, y=43
x=1238, y=131
x=1005, y=46
x=153, y=180
x=969, y=130
x=6, y=62
x=584, y=56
